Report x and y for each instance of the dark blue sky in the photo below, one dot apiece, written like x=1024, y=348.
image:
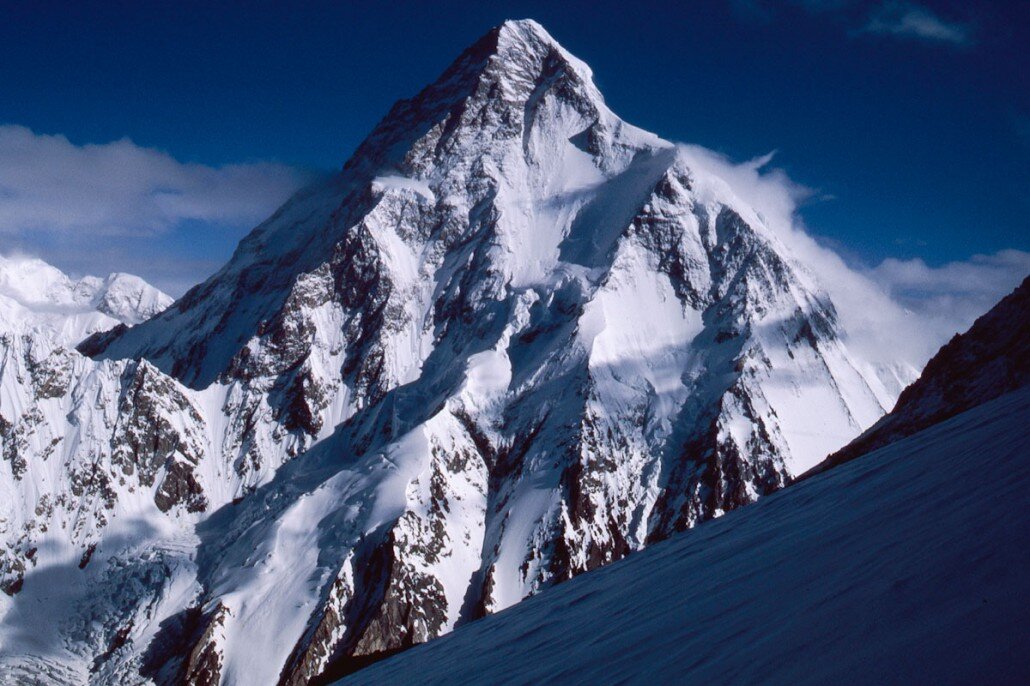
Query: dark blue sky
x=916, y=136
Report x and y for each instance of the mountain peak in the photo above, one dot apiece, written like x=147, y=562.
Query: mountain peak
x=507, y=71
x=528, y=36
x=37, y=295
x=521, y=43
x=523, y=30
x=539, y=336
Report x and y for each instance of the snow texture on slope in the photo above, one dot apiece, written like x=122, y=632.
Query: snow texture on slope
x=907, y=565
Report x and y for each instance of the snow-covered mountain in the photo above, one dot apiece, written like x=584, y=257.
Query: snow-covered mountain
x=38, y=298
x=907, y=565
x=815, y=584
x=43, y=315
x=514, y=339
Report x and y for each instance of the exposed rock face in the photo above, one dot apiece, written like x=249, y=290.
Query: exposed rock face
x=146, y=439
x=320, y=642
x=514, y=339
x=903, y=563
x=991, y=359
x=82, y=442
x=203, y=667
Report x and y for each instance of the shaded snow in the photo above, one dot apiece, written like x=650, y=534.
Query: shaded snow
x=513, y=340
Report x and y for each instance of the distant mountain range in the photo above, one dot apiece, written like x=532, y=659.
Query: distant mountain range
x=37, y=299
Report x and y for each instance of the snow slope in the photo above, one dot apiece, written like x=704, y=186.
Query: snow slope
x=908, y=565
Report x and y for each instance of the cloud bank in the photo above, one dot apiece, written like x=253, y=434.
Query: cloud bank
x=95, y=209
x=48, y=185
x=959, y=291
x=898, y=309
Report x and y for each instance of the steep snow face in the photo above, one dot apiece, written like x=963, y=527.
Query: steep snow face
x=515, y=338
x=55, y=404
x=901, y=566
x=35, y=296
x=72, y=430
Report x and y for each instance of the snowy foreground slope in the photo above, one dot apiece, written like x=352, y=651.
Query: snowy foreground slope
x=514, y=339
x=908, y=565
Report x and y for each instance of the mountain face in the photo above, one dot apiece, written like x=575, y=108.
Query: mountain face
x=900, y=567
x=990, y=359
x=513, y=340
x=43, y=315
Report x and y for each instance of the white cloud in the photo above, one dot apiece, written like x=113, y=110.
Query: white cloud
x=908, y=20
x=959, y=291
x=897, y=310
x=902, y=19
x=49, y=185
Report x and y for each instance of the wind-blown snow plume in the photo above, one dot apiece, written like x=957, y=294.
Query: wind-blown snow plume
x=899, y=310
